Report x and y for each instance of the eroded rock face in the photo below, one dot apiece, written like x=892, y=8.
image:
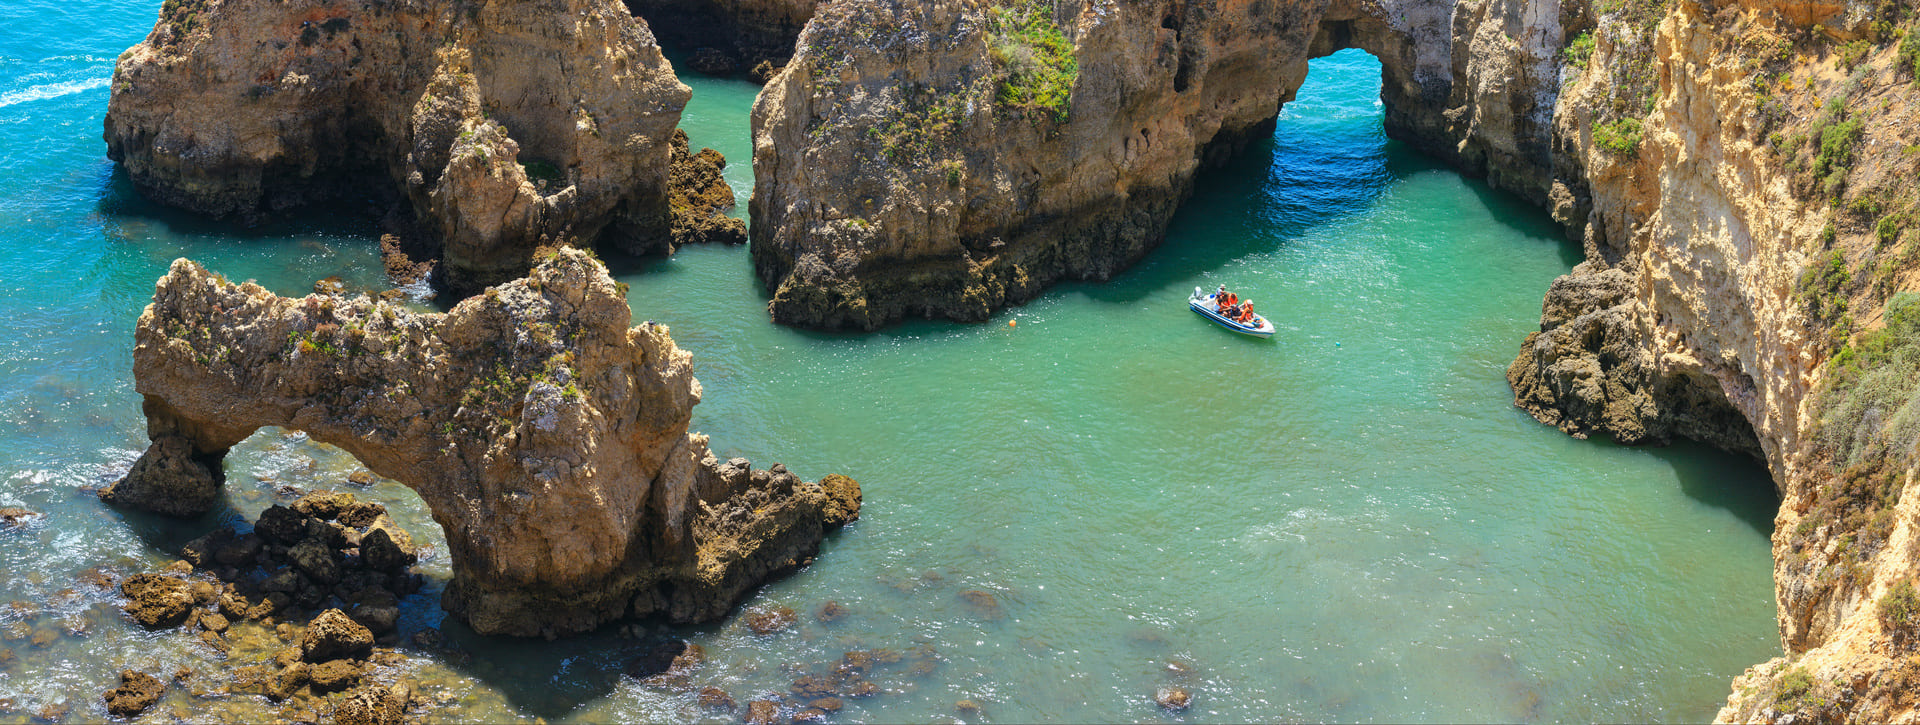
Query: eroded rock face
x=500, y=123
x=549, y=439
x=1689, y=316
x=893, y=178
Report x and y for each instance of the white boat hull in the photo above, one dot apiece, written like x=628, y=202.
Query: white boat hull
x=1204, y=304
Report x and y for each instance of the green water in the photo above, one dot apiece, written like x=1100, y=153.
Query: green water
x=1348, y=522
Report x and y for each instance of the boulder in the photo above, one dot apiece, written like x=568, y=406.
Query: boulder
x=157, y=601
x=334, y=635
x=137, y=692
x=324, y=505
x=315, y=559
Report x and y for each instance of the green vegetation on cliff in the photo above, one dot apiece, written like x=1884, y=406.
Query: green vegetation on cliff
x=1034, y=59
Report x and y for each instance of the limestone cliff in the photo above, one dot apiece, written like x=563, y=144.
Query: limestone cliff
x=500, y=123
x=949, y=158
x=1746, y=170
x=549, y=439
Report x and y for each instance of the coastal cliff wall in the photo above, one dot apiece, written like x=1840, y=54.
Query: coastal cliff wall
x=501, y=124
x=949, y=158
x=1747, y=168
x=548, y=438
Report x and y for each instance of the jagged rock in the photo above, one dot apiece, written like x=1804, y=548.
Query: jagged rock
x=174, y=478
x=333, y=635
x=325, y=505
x=137, y=692
x=501, y=124
x=371, y=705
x=13, y=518
x=156, y=601
x=362, y=515
x=282, y=525
x=315, y=559
x=242, y=551
x=983, y=604
x=1589, y=370
x=548, y=437
x=701, y=197
x=831, y=612
x=214, y=622
x=382, y=554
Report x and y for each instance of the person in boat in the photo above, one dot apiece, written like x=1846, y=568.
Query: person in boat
x=1225, y=301
x=1246, y=313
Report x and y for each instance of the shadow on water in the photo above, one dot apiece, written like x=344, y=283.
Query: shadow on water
x=1730, y=481
x=359, y=217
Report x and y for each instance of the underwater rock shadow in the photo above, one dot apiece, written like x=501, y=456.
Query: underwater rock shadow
x=1741, y=485
x=118, y=199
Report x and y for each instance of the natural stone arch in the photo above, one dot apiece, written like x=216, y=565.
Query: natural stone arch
x=893, y=179
x=548, y=439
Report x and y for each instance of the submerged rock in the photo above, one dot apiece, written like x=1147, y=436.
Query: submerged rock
x=762, y=712
x=137, y=692
x=371, y=705
x=714, y=698
x=500, y=124
x=1173, y=698
x=547, y=436
x=13, y=518
x=770, y=620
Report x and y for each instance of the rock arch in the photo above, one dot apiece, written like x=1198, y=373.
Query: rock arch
x=893, y=177
x=548, y=438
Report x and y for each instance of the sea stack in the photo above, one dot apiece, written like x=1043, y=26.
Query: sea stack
x=502, y=125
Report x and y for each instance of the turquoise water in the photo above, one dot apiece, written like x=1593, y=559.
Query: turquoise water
x=1349, y=522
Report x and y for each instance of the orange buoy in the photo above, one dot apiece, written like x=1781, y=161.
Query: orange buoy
x=1011, y=323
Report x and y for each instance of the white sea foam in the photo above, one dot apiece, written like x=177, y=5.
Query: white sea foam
x=51, y=90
